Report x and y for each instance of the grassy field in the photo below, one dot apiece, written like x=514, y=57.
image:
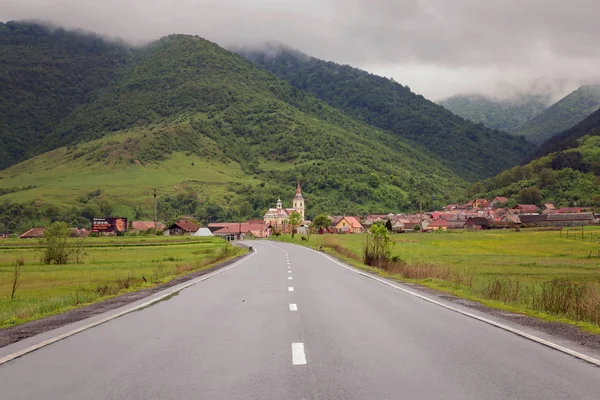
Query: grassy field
x=539, y=273
x=110, y=267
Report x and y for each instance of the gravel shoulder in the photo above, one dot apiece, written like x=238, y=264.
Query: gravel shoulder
x=26, y=330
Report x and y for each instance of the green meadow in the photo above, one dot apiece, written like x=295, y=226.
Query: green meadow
x=539, y=273
x=111, y=266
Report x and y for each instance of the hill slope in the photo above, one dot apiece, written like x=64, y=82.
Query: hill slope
x=504, y=115
x=469, y=149
x=189, y=117
x=566, y=170
x=44, y=75
x=562, y=115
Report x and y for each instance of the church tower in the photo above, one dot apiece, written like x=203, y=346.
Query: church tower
x=298, y=201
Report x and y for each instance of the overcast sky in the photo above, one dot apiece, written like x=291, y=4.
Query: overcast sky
x=437, y=47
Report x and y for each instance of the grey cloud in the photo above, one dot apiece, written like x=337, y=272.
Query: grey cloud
x=499, y=41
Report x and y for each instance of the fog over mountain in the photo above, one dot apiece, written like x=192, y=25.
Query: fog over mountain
x=437, y=47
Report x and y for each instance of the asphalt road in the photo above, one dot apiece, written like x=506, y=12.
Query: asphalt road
x=238, y=335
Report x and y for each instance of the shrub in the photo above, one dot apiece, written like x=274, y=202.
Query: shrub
x=55, y=247
x=377, y=246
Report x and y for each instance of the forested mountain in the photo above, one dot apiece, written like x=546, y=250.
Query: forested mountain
x=220, y=138
x=44, y=75
x=505, y=115
x=565, y=170
x=562, y=115
x=470, y=149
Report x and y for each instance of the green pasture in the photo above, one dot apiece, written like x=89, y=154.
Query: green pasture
x=60, y=182
x=528, y=254
x=111, y=266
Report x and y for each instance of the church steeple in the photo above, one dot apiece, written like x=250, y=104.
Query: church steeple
x=299, y=200
x=298, y=192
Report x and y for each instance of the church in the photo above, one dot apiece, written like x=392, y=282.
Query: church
x=276, y=217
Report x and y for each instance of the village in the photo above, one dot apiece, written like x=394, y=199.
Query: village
x=477, y=214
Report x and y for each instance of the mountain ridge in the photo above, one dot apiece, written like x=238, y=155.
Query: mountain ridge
x=470, y=149
x=562, y=115
x=197, y=121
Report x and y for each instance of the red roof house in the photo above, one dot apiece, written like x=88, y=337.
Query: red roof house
x=33, y=233
x=477, y=223
x=181, y=227
x=527, y=208
x=498, y=201
x=568, y=210
x=438, y=224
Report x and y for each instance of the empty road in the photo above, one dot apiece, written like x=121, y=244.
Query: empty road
x=288, y=323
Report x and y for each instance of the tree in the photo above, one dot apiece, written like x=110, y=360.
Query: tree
x=530, y=195
x=570, y=159
x=54, y=244
x=105, y=208
x=388, y=225
x=294, y=220
x=321, y=221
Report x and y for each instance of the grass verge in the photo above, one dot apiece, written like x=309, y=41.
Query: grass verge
x=109, y=268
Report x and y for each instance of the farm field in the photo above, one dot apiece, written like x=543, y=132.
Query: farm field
x=537, y=272
x=111, y=266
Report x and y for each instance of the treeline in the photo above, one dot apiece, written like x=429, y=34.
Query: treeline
x=4, y=191
x=18, y=217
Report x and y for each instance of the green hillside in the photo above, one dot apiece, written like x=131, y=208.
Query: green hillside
x=562, y=115
x=566, y=170
x=221, y=139
x=504, y=115
x=471, y=150
x=44, y=75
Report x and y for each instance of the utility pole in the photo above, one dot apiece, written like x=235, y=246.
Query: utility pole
x=155, y=228
x=421, y=208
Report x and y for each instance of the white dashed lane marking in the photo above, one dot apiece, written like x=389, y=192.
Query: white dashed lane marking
x=293, y=307
x=290, y=289
x=298, y=354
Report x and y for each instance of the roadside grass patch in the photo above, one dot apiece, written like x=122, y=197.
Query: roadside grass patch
x=112, y=267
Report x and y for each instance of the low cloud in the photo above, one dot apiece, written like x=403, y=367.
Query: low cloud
x=437, y=47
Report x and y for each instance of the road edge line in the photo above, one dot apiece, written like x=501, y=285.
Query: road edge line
x=507, y=328
x=167, y=293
